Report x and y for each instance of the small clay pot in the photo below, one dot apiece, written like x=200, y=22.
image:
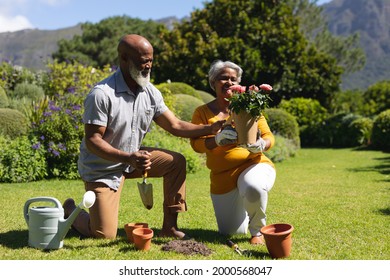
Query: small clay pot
x=130, y=227
x=278, y=239
x=142, y=238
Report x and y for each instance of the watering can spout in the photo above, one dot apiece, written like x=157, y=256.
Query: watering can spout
x=65, y=224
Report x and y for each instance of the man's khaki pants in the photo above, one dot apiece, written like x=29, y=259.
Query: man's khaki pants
x=103, y=215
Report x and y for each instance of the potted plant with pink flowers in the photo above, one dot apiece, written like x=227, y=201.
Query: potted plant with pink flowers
x=246, y=106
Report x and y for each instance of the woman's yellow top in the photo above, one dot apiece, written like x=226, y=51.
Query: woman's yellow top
x=227, y=162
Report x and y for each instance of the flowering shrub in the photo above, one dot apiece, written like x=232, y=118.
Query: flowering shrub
x=64, y=77
x=59, y=130
x=253, y=101
x=57, y=118
x=21, y=160
x=11, y=75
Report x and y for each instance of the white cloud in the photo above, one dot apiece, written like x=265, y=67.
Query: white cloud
x=14, y=23
x=11, y=18
x=13, y=13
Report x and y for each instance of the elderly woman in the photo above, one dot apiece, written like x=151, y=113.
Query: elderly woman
x=240, y=178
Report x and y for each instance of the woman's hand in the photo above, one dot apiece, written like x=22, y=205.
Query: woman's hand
x=258, y=147
x=226, y=136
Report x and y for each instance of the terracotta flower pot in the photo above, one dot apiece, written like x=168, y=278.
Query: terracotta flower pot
x=130, y=227
x=246, y=127
x=278, y=239
x=142, y=238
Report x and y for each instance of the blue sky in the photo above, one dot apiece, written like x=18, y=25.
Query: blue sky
x=56, y=14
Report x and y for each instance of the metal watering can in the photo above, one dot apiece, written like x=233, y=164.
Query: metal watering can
x=47, y=226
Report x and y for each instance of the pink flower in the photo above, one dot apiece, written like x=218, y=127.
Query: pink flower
x=238, y=88
x=254, y=88
x=266, y=87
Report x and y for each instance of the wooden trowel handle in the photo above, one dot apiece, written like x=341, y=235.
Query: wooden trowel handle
x=145, y=174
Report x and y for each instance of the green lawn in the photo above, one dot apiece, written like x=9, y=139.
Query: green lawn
x=338, y=201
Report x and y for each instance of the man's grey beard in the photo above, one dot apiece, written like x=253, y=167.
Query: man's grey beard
x=137, y=76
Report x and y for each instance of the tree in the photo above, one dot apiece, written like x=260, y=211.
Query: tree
x=263, y=37
x=98, y=42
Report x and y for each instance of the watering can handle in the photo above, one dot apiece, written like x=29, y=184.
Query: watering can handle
x=38, y=199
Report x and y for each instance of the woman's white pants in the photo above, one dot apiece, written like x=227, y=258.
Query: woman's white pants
x=244, y=207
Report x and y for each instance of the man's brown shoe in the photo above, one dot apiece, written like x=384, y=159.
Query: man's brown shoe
x=257, y=240
x=69, y=205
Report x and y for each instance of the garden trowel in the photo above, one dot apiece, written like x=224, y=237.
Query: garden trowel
x=146, y=191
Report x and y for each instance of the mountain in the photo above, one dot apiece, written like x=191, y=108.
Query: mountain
x=371, y=19
x=32, y=48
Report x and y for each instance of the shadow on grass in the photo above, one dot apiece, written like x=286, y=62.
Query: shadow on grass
x=385, y=211
x=383, y=167
x=14, y=239
x=18, y=239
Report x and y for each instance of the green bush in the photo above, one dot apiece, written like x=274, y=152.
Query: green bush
x=21, y=160
x=335, y=130
x=360, y=131
x=185, y=106
x=28, y=91
x=205, y=96
x=3, y=98
x=307, y=111
x=24, y=96
x=283, y=149
x=283, y=123
x=159, y=138
x=350, y=101
x=381, y=131
x=341, y=130
x=178, y=88
x=377, y=98
x=308, y=114
x=13, y=123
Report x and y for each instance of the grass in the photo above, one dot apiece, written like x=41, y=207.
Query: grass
x=337, y=201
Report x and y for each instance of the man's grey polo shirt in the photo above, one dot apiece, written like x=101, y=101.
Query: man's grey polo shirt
x=127, y=118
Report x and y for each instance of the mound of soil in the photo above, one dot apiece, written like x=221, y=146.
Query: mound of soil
x=187, y=247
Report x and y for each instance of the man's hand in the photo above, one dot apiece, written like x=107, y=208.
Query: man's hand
x=226, y=136
x=216, y=127
x=257, y=147
x=140, y=160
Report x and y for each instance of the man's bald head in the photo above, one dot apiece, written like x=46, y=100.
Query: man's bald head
x=133, y=44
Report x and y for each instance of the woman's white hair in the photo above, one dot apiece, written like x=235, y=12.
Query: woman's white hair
x=216, y=68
